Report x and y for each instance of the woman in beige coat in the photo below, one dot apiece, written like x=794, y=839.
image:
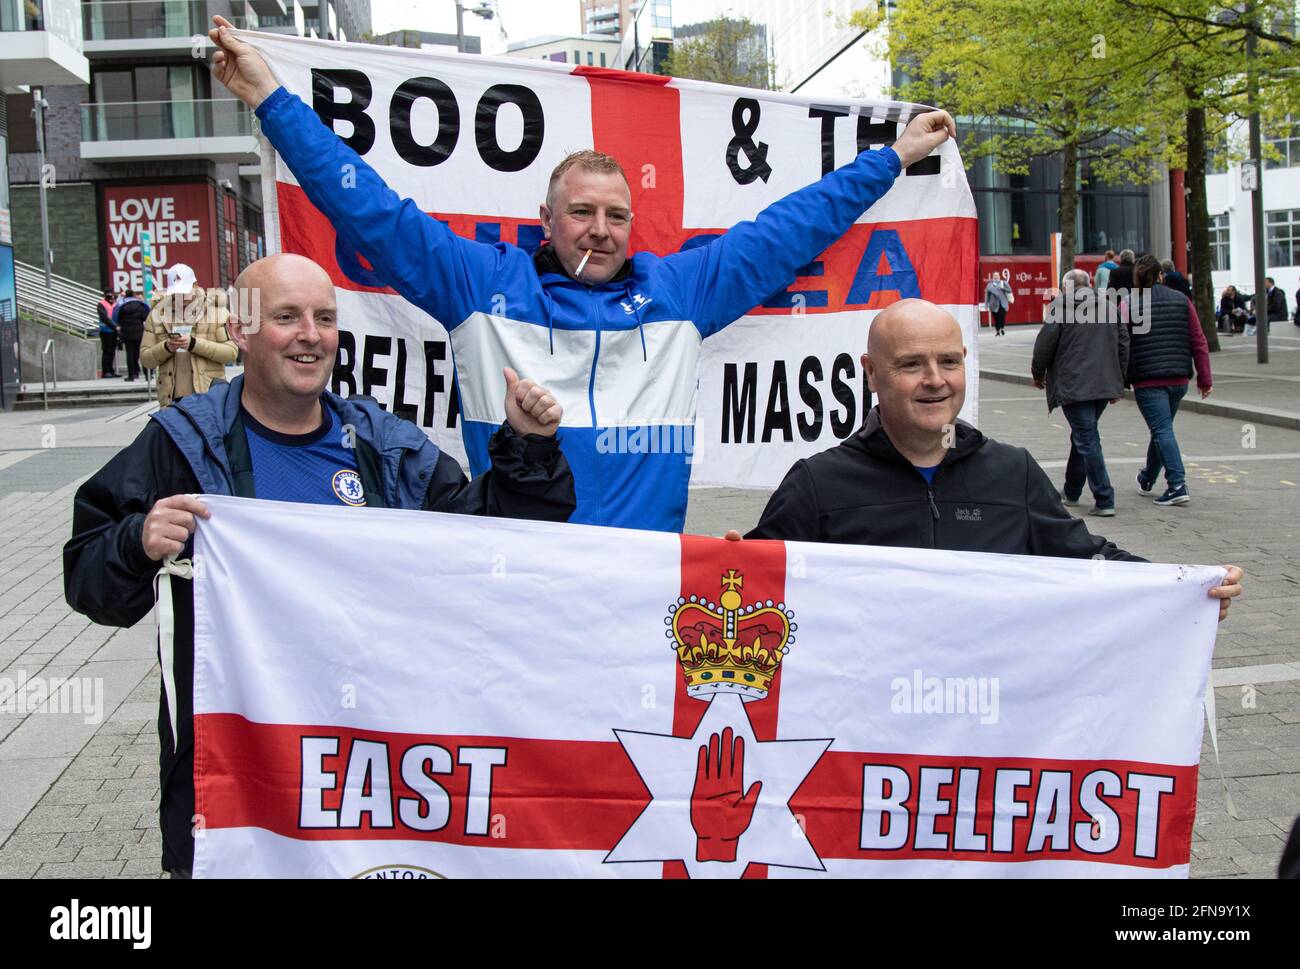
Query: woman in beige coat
x=185, y=338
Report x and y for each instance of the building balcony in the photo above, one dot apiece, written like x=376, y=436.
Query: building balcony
x=290, y=20
x=132, y=27
x=218, y=129
x=40, y=44
x=269, y=8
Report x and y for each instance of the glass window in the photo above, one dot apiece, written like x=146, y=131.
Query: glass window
x=577, y=57
x=1220, y=250
x=602, y=58
x=1283, y=243
x=111, y=86
x=1285, y=139
x=589, y=59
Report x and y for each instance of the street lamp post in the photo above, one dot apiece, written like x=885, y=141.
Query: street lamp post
x=483, y=10
x=39, y=104
x=1257, y=194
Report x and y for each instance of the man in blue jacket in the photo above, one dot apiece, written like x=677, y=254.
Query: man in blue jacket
x=617, y=339
x=276, y=433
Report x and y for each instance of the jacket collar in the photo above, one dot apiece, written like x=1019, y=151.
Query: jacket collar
x=871, y=439
x=215, y=413
x=547, y=263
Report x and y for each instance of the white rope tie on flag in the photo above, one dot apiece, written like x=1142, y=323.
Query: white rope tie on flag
x=184, y=569
x=1214, y=741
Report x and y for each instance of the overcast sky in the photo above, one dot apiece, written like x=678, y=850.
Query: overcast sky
x=521, y=18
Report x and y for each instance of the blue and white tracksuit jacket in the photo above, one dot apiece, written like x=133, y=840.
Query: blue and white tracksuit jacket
x=621, y=357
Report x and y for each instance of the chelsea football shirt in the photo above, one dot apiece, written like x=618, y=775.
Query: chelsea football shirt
x=316, y=468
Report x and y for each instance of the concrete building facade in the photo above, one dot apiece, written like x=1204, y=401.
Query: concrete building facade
x=588, y=50
x=151, y=143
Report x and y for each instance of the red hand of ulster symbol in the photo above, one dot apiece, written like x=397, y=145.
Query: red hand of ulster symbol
x=720, y=807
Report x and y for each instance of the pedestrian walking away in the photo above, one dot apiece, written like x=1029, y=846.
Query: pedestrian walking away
x=129, y=319
x=1080, y=357
x=1166, y=343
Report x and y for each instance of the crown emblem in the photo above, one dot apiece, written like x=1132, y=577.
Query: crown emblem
x=727, y=646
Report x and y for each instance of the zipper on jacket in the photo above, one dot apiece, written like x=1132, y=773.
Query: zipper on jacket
x=591, y=402
x=934, y=517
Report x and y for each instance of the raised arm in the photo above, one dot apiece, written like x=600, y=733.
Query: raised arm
x=410, y=251
x=753, y=260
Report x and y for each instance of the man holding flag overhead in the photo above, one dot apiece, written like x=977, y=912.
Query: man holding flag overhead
x=617, y=339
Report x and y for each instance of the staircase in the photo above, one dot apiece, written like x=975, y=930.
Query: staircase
x=66, y=305
x=75, y=397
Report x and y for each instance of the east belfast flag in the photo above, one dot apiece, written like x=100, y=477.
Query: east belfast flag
x=403, y=694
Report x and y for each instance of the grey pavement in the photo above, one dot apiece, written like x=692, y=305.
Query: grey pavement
x=80, y=798
x=1266, y=393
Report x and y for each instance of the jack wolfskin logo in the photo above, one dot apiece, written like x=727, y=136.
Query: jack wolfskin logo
x=969, y=515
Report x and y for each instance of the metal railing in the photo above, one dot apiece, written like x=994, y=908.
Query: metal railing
x=138, y=120
x=143, y=19
x=66, y=305
x=61, y=18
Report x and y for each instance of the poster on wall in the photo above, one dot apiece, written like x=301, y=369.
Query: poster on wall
x=182, y=227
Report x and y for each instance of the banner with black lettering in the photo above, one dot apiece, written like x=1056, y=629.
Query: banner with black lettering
x=472, y=140
x=463, y=697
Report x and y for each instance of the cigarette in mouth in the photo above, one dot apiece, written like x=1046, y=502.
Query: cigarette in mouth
x=582, y=265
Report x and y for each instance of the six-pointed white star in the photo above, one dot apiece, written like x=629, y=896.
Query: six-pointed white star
x=667, y=765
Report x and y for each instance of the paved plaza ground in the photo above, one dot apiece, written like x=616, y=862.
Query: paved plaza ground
x=81, y=799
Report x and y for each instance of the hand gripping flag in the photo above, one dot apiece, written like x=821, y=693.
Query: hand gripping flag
x=401, y=694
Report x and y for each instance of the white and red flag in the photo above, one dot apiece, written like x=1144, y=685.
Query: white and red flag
x=404, y=694
x=475, y=146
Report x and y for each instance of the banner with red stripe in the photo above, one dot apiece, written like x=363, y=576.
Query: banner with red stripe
x=575, y=701
x=472, y=141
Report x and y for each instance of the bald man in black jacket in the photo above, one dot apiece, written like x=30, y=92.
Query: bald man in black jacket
x=915, y=476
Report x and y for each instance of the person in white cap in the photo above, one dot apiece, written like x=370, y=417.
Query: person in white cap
x=185, y=337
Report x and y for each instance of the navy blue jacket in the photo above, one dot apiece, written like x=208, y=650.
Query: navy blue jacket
x=198, y=445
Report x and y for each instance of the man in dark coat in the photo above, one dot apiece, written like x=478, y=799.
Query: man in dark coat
x=915, y=476
x=1121, y=277
x=1276, y=301
x=1175, y=280
x=129, y=319
x=1081, y=355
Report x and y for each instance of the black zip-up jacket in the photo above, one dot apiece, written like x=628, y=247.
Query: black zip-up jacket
x=131, y=316
x=985, y=497
x=108, y=577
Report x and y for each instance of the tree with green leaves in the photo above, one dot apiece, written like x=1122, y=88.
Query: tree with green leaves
x=1208, y=70
x=725, y=50
x=1033, y=79
x=1114, y=87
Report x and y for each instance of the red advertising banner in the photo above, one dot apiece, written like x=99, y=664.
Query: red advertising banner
x=1031, y=281
x=180, y=219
